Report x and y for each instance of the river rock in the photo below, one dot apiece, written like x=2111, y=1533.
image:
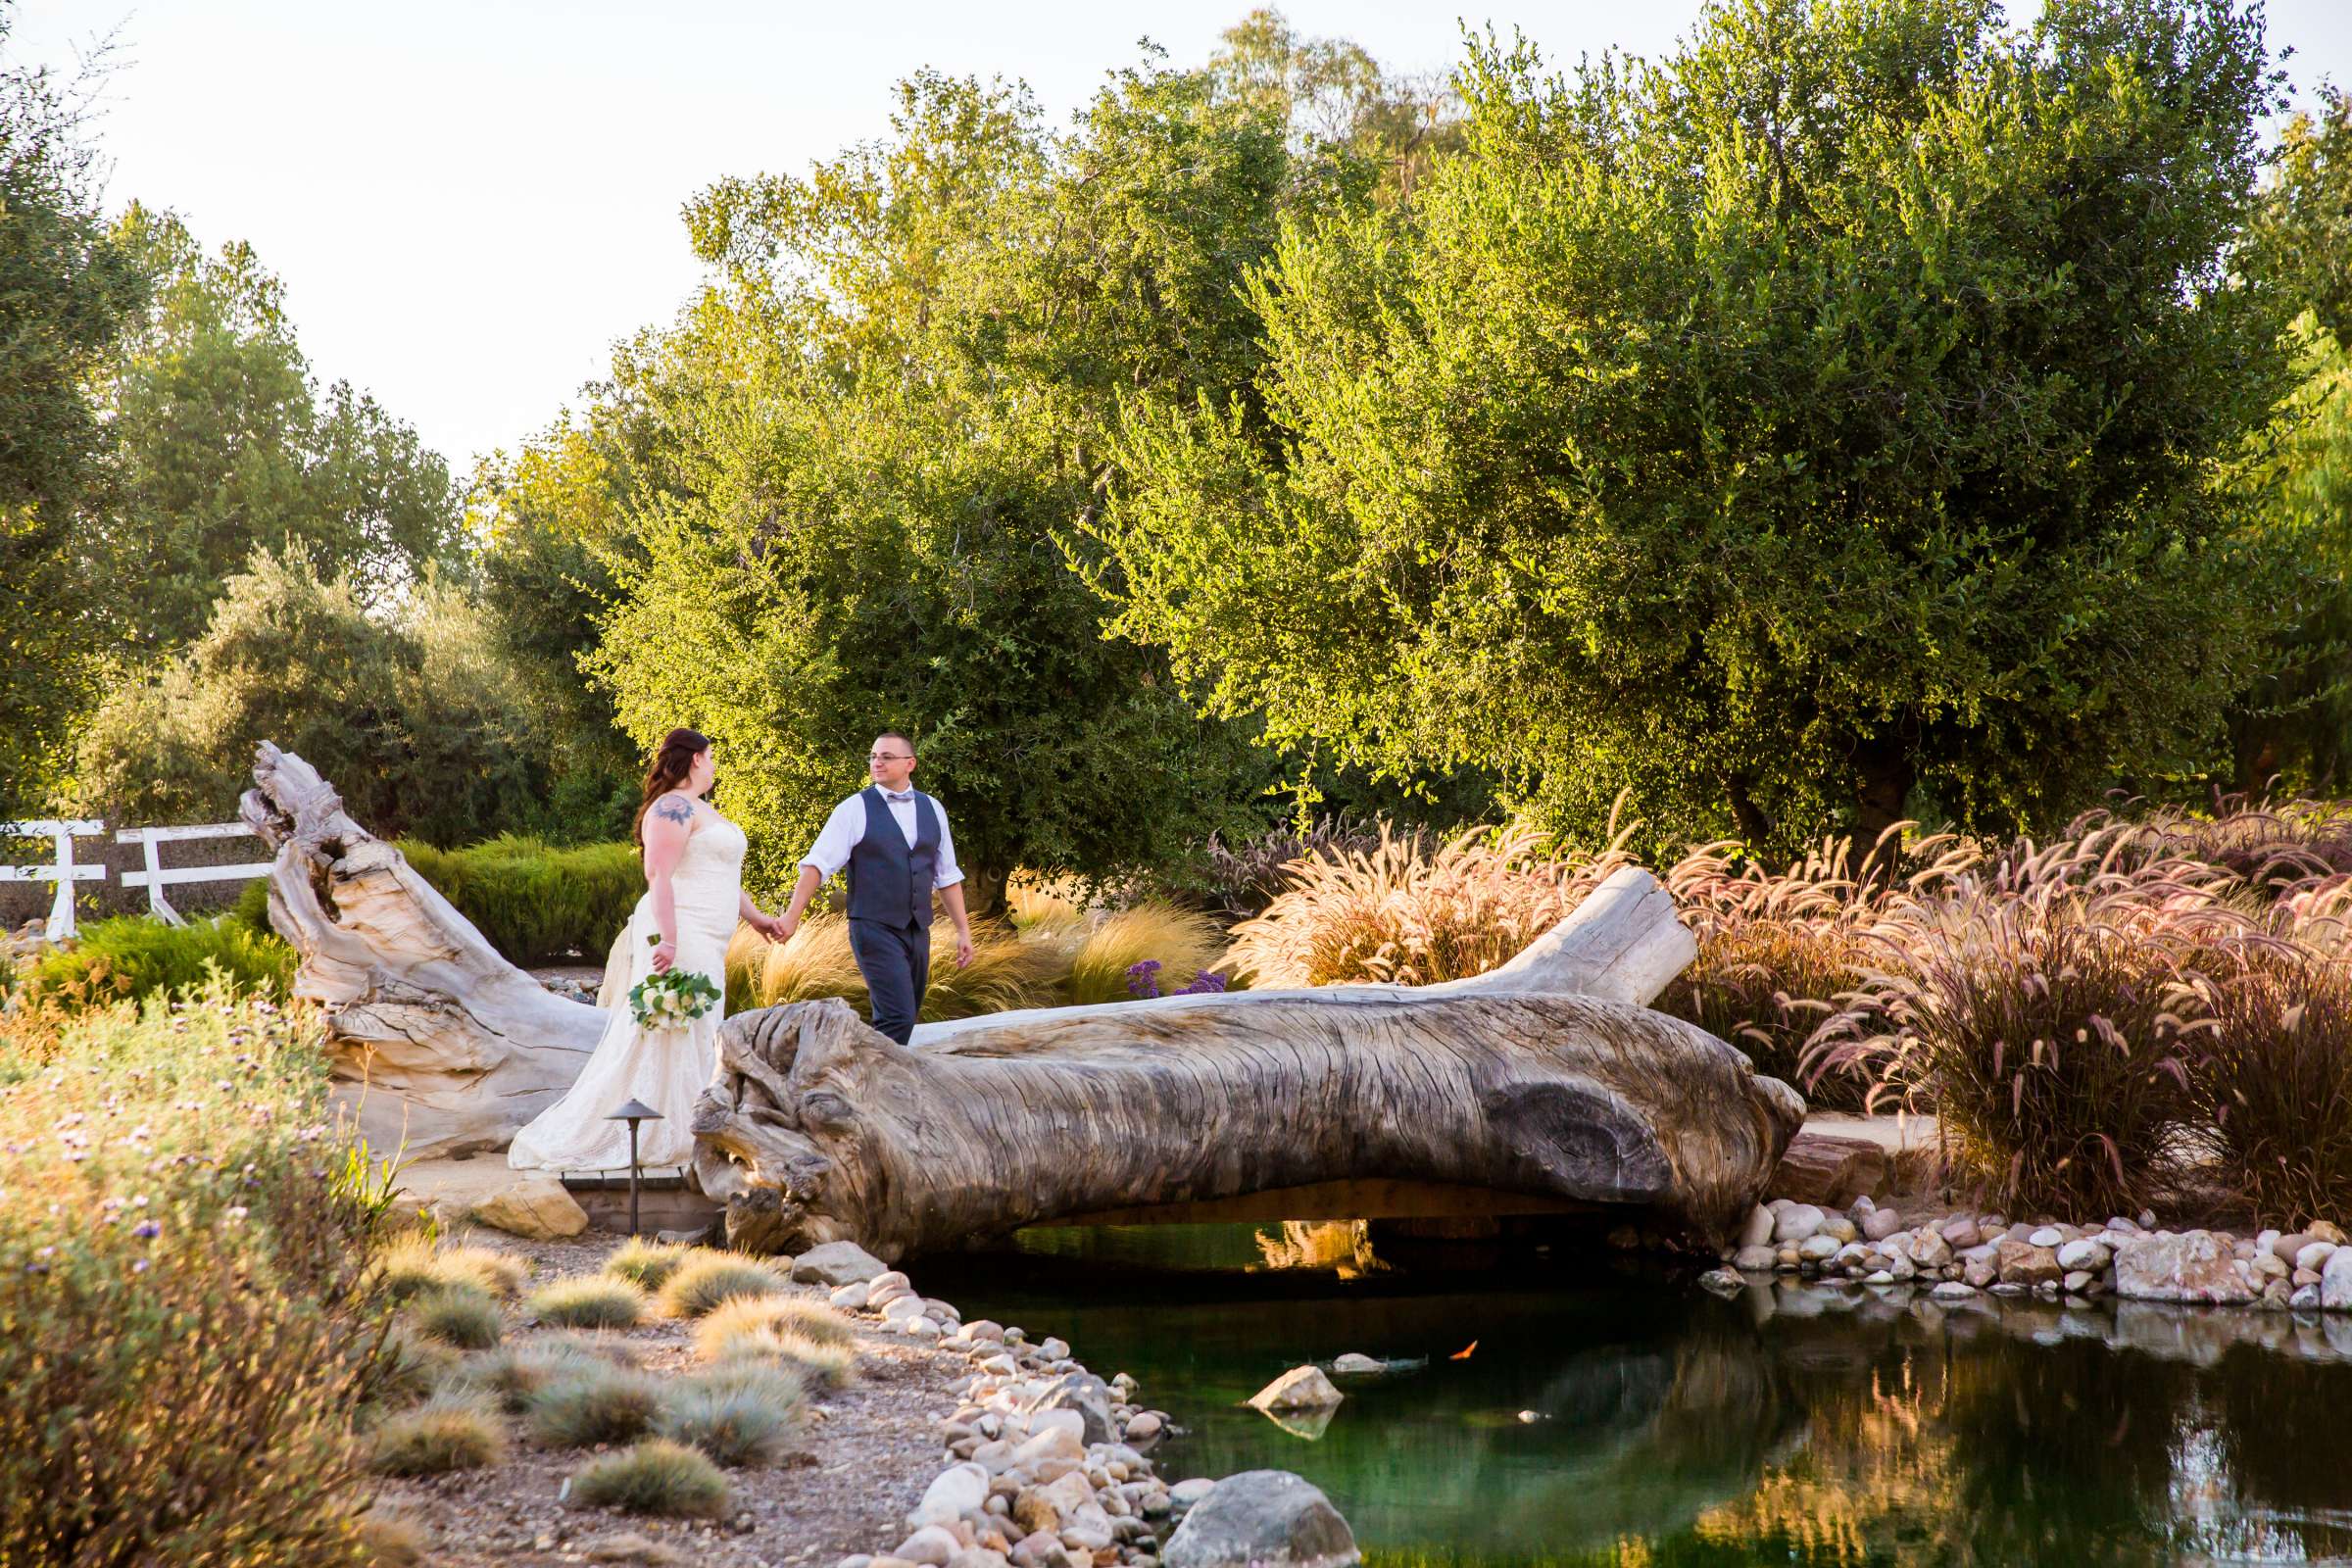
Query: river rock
x=949, y=1494
x=1262, y=1519
x=1185, y=1493
x=849, y=1297
x=1838, y=1228
x=2336, y=1280
x=1795, y=1223
x=1824, y=1168
x=1962, y=1231
x=2314, y=1255
x=903, y=1307
x=1758, y=1230
x=2085, y=1253
x=1090, y=1398
x=1928, y=1249
x=1056, y=1440
x=536, y=1207
x=1818, y=1247
x=2319, y=1229
x=2027, y=1262
x=1723, y=1282
x=1302, y=1388
x=2193, y=1266
x=1881, y=1223
x=932, y=1546
x=1356, y=1362
x=1952, y=1291
x=1981, y=1265
x=1755, y=1259
x=1144, y=1427
x=838, y=1263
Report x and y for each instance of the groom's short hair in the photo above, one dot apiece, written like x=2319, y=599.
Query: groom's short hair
x=899, y=736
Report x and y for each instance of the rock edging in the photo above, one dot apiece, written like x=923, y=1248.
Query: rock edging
x=1049, y=1465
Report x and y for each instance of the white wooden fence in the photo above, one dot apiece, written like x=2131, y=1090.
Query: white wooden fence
x=65, y=870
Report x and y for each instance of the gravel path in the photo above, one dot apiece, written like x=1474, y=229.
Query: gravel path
x=857, y=1467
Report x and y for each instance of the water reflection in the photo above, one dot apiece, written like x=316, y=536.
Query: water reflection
x=1613, y=1415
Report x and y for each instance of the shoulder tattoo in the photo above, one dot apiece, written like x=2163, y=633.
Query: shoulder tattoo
x=672, y=810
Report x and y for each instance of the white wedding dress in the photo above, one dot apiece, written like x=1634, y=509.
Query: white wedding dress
x=666, y=1068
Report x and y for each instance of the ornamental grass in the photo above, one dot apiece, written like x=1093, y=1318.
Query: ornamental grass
x=593, y=1403
x=709, y=1279
x=2275, y=1079
x=753, y=1314
x=648, y=1266
x=460, y=1316
x=656, y=1477
x=415, y=1262
x=737, y=1417
x=186, y=1336
x=510, y=1373
x=448, y=1431
x=1108, y=951
x=588, y=1303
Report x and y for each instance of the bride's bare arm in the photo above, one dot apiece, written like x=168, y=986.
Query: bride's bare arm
x=667, y=828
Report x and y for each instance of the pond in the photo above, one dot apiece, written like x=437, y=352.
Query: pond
x=1613, y=1412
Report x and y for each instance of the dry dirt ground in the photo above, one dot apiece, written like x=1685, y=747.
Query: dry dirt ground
x=845, y=1484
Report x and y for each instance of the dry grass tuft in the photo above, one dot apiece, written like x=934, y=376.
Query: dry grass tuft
x=412, y=1264
x=1181, y=942
x=590, y=1302
x=461, y=1316
x=656, y=1477
x=586, y=1405
x=738, y=1416
x=446, y=1432
x=410, y=1366
x=757, y=1314
x=707, y=1280
x=648, y=1266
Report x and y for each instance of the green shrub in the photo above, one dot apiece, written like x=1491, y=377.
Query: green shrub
x=648, y=1266
x=588, y=1303
x=182, y=1348
x=654, y=1477
x=534, y=904
x=738, y=1418
x=135, y=956
x=458, y=1315
x=708, y=1279
x=446, y=1432
x=593, y=1404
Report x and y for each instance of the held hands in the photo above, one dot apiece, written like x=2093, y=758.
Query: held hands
x=771, y=926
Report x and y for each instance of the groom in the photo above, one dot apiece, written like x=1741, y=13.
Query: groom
x=894, y=839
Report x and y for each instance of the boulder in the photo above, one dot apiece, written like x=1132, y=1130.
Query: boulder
x=536, y=1207
x=2193, y=1266
x=1089, y=1396
x=951, y=1492
x=1302, y=1388
x=837, y=1263
x=1881, y=1223
x=1824, y=1168
x=1797, y=1223
x=2336, y=1280
x=2025, y=1263
x=1262, y=1519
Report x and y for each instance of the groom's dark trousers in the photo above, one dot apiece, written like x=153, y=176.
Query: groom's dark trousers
x=896, y=960
x=889, y=911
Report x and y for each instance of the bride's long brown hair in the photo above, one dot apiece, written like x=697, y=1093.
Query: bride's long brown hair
x=673, y=760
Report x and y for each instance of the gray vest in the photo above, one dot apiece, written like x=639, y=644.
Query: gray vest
x=889, y=880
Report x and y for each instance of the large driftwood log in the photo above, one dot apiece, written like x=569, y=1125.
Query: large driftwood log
x=442, y=1045
x=816, y=1128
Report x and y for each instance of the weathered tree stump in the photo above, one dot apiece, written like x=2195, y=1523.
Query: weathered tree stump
x=818, y=1129
x=443, y=1045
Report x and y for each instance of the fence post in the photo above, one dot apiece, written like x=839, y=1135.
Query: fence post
x=157, y=903
x=64, y=872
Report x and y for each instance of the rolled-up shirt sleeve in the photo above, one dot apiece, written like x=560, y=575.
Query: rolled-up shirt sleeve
x=944, y=873
x=840, y=835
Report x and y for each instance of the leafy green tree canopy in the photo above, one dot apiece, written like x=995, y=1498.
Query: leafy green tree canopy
x=881, y=420
x=1824, y=422
x=67, y=289
x=226, y=444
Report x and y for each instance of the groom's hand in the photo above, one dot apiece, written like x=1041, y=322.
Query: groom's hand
x=963, y=949
x=781, y=928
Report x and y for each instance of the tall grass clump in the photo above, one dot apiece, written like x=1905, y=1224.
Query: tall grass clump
x=754, y=1315
x=656, y=1477
x=185, y=1346
x=1180, y=943
x=2036, y=1008
x=413, y=1263
x=534, y=902
x=460, y=1316
x=1244, y=878
x=1008, y=971
x=2274, y=1076
x=1398, y=914
x=509, y=1375
x=133, y=956
x=708, y=1279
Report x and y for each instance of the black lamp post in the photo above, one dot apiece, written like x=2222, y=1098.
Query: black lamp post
x=635, y=1112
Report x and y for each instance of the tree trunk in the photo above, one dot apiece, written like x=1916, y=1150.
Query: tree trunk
x=445, y=1046
x=819, y=1129
x=1883, y=772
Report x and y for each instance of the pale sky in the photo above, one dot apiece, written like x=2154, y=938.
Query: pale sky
x=469, y=201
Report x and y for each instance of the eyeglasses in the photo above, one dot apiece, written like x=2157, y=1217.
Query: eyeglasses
x=890, y=757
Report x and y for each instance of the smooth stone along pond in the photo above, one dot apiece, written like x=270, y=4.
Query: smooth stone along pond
x=1616, y=1413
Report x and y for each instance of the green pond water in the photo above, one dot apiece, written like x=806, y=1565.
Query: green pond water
x=1616, y=1413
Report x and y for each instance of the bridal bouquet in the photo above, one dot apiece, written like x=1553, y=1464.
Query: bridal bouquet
x=671, y=1000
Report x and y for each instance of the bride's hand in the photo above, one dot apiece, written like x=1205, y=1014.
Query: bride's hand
x=666, y=953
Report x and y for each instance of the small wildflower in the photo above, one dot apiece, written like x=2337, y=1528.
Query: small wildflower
x=147, y=1229
x=138, y=1266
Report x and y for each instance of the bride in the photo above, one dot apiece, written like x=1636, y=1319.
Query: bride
x=693, y=898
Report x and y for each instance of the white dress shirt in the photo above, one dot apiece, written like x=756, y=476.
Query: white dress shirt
x=845, y=829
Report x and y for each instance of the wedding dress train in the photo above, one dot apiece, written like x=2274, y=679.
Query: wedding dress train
x=666, y=1068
